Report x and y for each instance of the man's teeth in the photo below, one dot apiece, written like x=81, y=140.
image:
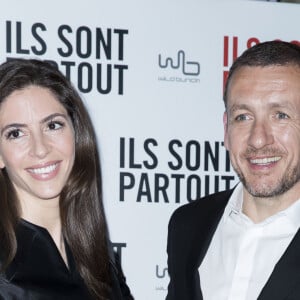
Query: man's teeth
x=265, y=160
x=43, y=170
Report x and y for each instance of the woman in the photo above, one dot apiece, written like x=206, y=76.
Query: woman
x=53, y=232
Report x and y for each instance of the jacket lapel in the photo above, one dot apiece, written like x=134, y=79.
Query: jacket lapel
x=211, y=216
x=286, y=273
x=191, y=229
x=208, y=221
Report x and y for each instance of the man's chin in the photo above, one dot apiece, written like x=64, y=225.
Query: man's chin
x=263, y=190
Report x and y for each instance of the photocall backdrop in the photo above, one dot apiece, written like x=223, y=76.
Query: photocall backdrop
x=152, y=75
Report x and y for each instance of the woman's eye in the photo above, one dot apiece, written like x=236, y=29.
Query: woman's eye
x=14, y=134
x=55, y=125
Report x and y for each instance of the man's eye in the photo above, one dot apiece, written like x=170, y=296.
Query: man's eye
x=281, y=115
x=14, y=134
x=55, y=125
x=242, y=117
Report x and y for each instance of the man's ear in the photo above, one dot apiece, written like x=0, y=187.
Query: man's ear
x=225, y=124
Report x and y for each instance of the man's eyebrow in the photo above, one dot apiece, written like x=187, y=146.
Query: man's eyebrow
x=236, y=107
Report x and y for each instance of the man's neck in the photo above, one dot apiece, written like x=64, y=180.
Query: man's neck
x=260, y=208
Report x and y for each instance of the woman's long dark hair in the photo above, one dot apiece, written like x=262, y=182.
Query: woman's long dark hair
x=82, y=214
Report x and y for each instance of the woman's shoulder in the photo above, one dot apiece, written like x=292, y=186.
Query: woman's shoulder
x=10, y=291
x=120, y=289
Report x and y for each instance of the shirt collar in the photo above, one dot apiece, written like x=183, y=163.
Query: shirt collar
x=236, y=202
x=293, y=213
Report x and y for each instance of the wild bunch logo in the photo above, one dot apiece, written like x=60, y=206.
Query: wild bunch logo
x=179, y=68
x=162, y=278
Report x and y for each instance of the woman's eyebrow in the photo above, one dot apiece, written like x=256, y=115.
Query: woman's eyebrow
x=44, y=120
x=12, y=125
x=52, y=116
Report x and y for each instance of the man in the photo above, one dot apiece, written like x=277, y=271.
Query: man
x=244, y=244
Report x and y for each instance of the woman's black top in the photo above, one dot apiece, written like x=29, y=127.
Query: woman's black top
x=38, y=271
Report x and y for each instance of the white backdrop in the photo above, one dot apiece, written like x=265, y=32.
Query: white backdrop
x=151, y=74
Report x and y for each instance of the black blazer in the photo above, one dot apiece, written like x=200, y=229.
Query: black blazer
x=191, y=229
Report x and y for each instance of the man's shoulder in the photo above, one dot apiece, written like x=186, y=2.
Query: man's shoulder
x=207, y=205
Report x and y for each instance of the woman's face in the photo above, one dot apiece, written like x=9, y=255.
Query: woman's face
x=36, y=143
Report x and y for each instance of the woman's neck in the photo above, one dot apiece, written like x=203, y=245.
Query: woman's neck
x=45, y=213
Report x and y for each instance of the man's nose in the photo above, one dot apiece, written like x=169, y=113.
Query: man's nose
x=261, y=134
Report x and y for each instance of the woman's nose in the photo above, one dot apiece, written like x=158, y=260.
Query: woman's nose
x=39, y=145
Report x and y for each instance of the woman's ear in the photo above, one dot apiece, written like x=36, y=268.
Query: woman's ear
x=2, y=164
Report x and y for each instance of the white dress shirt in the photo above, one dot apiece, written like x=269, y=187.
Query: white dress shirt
x=242, y=254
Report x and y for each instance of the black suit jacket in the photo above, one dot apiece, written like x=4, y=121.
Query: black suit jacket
x=191, y=229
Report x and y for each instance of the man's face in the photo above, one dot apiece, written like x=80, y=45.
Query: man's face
x=262, y=129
